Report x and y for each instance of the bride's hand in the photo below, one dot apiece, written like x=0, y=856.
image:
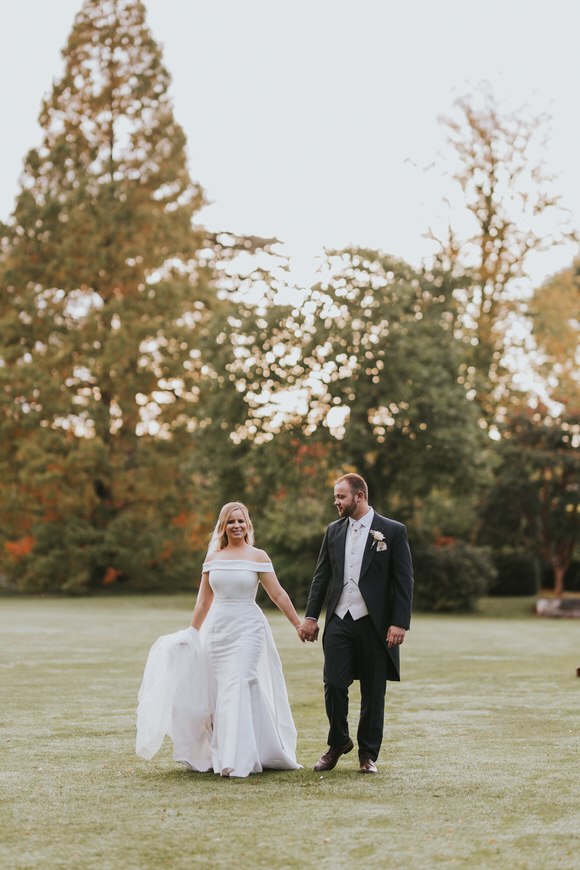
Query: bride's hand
x=309, y=630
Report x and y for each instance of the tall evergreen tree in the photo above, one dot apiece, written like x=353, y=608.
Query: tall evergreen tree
x=102, y=298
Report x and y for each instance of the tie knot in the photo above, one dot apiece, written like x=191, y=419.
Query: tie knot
x=356, y=527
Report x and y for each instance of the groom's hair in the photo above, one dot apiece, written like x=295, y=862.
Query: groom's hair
x=356, y=484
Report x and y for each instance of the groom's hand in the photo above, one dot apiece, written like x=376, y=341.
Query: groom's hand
x=396, y=635
x=309, y=630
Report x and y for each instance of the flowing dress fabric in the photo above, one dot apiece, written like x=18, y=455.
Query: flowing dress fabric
x=236, y=717
x=174, y=700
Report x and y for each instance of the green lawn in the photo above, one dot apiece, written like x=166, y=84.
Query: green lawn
x=479, y=767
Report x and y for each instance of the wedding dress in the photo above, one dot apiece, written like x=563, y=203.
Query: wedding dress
x=220, y=693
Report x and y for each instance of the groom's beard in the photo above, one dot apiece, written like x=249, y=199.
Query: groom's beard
x=347, y=510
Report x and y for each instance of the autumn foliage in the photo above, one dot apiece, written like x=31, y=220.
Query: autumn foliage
x=141, y=387
x=102, y=295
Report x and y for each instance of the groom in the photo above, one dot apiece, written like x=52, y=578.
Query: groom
x=365, y=562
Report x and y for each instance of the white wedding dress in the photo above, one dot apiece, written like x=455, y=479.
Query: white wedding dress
x=220, y=693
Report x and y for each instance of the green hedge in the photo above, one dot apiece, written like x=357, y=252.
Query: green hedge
x=450, y=579
x=518, y=573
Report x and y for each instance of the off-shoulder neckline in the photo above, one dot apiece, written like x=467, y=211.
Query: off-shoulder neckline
x=235, y=562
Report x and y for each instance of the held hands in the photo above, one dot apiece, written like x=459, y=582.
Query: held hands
x=308, y=631
x=396, y=635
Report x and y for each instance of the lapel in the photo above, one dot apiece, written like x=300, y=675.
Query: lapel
x=339, y=544
x=369, y=549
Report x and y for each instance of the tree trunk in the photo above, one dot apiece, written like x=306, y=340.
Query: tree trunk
x=559, y=571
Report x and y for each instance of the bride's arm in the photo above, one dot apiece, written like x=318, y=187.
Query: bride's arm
x=203, y=603
x=280, y=598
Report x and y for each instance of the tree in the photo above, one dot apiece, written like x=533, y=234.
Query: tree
x=371, y=366
x=103, y=297
x=379, y=352
x=535, y=501
x=515, y=211
x=555, y=315
x=290, y=489
x=250, y=444
x=364, y=375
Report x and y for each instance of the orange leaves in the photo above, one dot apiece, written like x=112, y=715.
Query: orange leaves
x=444, y=541
x=20, y=548
x=167, y=550
x=201, y=526
x=310, y=457
x=111, y=575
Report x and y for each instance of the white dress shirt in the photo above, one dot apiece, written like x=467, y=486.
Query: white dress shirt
x=357, y=536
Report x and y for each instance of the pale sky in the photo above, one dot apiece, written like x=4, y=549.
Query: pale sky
x=312, y=120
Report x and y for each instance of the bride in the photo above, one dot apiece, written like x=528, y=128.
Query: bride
x=217, y=688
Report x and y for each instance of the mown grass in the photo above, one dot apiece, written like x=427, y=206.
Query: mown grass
x=479, y=767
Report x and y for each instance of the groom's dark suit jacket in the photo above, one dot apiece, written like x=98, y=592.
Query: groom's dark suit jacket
x=386, y=579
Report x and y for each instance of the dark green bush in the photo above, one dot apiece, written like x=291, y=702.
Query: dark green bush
x=294, y=571
x=451, y=578
x=518, y=573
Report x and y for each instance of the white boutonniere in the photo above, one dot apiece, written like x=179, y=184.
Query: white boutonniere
x=378, y=539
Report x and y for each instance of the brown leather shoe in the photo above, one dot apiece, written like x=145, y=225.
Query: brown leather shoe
x=330, y=758
x=367, y=766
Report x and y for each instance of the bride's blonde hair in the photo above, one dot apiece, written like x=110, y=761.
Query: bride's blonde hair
x=219, y=539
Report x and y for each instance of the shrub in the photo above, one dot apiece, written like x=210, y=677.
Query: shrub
x=294, y=571
x=518, y=573
x=451, y=578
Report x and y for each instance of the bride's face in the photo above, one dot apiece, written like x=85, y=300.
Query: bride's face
x=236, y=527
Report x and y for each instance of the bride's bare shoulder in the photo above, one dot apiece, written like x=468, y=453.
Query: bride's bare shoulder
x=260, y=555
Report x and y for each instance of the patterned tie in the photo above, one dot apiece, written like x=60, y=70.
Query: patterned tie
x=355, y=533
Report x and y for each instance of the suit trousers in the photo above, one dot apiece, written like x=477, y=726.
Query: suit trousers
x=354, y=650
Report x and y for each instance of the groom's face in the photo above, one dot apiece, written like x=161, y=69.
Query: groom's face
x=344, y=500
